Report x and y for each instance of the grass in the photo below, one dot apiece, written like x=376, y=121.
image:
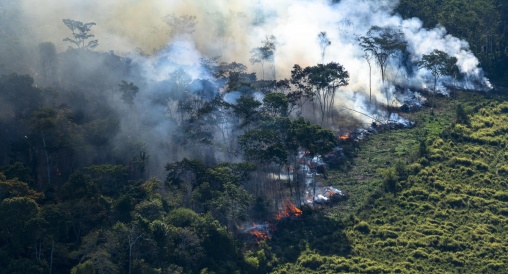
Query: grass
x=447, y=211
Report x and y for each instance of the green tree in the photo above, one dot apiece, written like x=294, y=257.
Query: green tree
x=302, y=93
x=83, y=268
x=10, y=188
x=232, y=203
x=323, y=81
x=247, y=109
x=19, y=224
x=275, y=105
x=383, y=42
x=439, y=63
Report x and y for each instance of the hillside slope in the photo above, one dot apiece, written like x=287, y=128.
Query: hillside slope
x=445, y=212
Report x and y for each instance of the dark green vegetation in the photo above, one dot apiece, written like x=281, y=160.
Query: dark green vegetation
x=75, y=196
x=483, y=23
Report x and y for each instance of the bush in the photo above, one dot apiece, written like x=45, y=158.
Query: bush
x=362, y=227
x=501, y=196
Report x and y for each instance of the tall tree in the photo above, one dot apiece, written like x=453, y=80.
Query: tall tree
x=80, y=34
x=265, y=53
x=439, y=63
x=323, y=81
x=302, y=93
x=383, y=42
x=368, y=57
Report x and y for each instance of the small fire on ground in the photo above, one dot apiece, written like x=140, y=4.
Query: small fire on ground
x=260, y=236
x=260, y=231
x=288, y=210
x=264, y=231
x=344, y=137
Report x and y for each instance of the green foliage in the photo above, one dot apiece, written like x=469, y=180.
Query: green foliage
x=462, y=117
x=449, y=213
x=15, y=188
x=463, y=18
x=83, y=268
x=363, y=227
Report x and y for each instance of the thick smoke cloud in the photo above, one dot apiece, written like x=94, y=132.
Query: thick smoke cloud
x=231, y=29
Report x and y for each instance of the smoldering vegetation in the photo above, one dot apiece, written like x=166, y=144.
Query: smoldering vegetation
x=351, y=65
x=235, y=111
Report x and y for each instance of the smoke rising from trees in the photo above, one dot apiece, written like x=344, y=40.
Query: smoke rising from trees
x=150, y=51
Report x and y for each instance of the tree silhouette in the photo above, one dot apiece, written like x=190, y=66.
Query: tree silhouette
x=324, y=42
x=80, y=34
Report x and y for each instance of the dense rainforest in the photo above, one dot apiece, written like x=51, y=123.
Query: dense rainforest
x=378, y=148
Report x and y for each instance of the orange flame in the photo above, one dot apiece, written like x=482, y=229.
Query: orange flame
x=344, y=137
x=331, y=192
x=289, y=210
x=259, y=235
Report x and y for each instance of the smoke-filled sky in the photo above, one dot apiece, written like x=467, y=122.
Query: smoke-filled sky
x=232, y=28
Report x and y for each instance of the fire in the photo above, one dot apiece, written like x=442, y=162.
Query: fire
x=331, y=192
x=344, y=137
x=289, y=210
x=259, y=235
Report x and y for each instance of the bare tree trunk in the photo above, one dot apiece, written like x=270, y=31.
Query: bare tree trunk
x=131, y=244
x=433, y=96
x=370, y=83
x=289, y=182
x=51, y=257
x=314, y=185
x=47, y=157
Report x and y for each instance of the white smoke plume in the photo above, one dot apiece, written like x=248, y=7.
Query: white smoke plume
x=231, y=29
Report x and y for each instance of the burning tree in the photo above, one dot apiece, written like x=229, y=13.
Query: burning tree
x=288, y=210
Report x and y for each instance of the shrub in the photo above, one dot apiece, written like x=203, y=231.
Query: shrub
x=455, y=201
x=362, y=227
x=501, y=196
x=419, y=254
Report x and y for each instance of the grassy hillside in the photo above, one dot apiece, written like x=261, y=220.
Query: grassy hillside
x=437, y=208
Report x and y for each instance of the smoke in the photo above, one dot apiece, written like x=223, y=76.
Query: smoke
x=160, y=56
x=232, y=29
